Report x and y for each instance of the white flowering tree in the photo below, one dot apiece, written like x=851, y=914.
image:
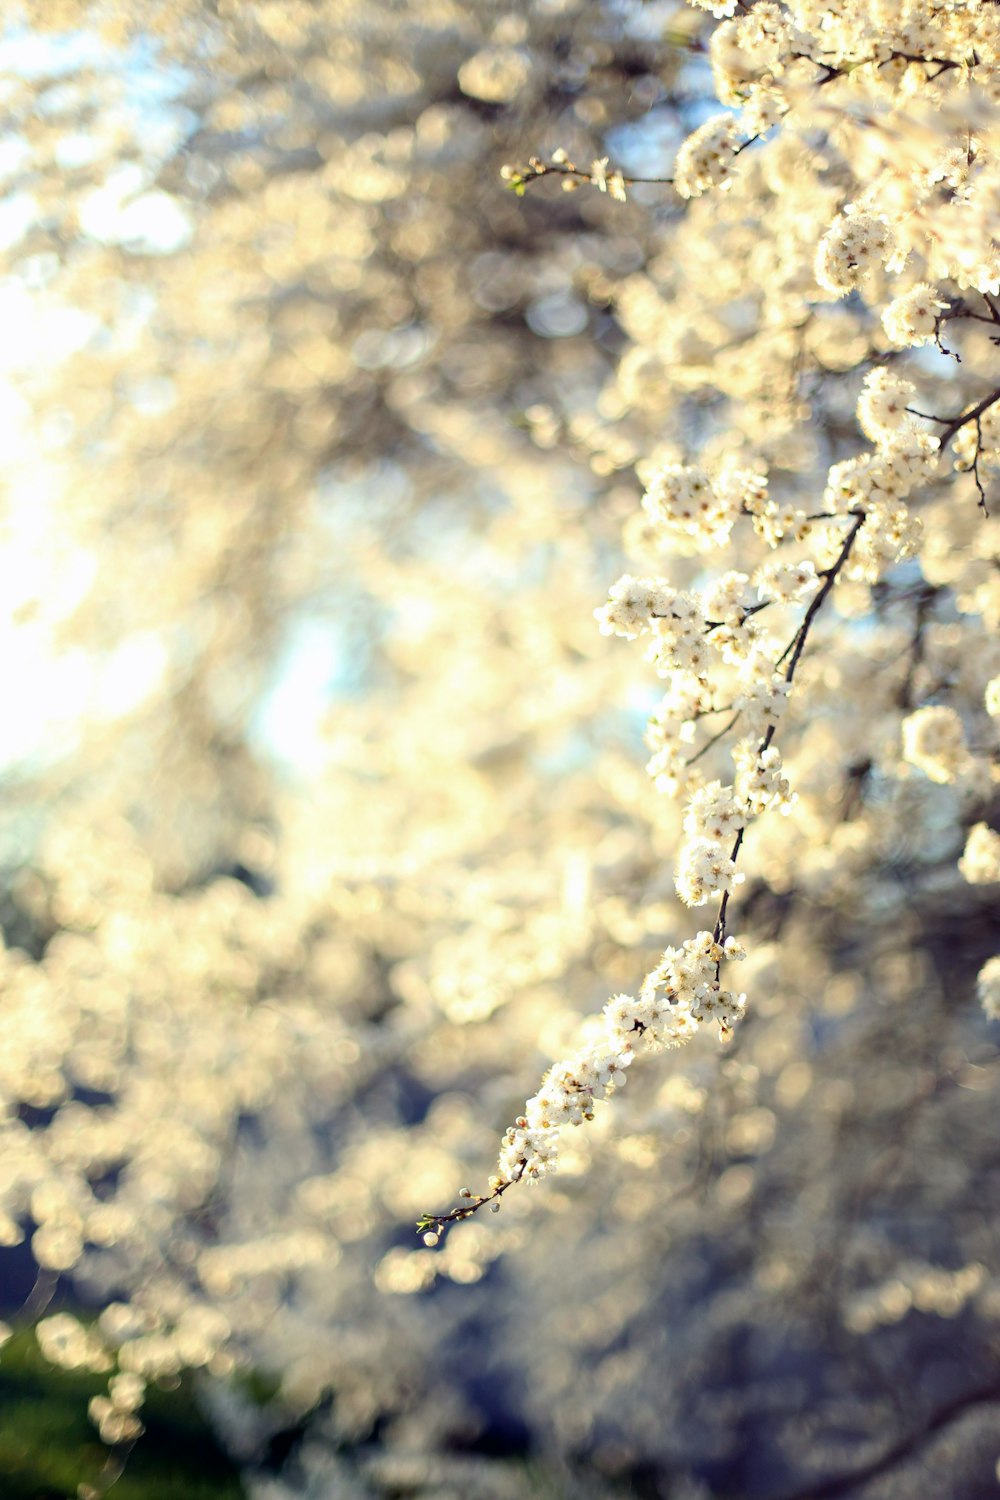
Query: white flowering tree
x=342, y=385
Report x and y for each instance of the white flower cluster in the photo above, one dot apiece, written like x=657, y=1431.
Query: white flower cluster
x=705, y=160
x=680, y=639
x=681, y=994
x=934, y=742
x=114, y=1415
x=766, y=31
x=911, y=319
x=991, y=698
x=882, y=405
x=733, y=64
x=905, y=458
x=631, y=605
x=747, y=57
x=746, y=492
x=704, y=870
x=988, y=985
x=762, y=697
x=717, y=8
x=686, y=700
x=855, y=244
x=786, y=582
x=674, y=617
x=714, y=814
x=728, y=600
x=980, y=864
x=854, y=70
x=760, y=781
x=693, y=512
x=688, y=511
x=882, y=479
x=64, y=1341
x=690, y=634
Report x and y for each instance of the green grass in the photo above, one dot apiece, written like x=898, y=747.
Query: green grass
x=48, y=1445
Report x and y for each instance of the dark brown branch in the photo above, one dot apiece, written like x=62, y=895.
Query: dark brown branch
x=719, y=932
x=832, y=71
x=952, y=425
x=975, y=467
x=829, y=577
x=714, y=740
x=520, y=178
x=926, y=600
x=843, y=1484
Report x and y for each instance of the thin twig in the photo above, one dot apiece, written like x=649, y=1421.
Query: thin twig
x=536, y=171
x=714, y=740
x=434, y=1223
x=975, y=467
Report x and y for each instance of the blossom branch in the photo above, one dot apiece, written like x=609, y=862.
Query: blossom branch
x=690, y=977
x=431, y=1226
x=614, y=182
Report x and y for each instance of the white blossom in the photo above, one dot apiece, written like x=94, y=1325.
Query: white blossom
x=760, y=780
x=706, y=158
x=911, y=319
x=704, y=870
x=631, y=605
x=882, y=404
x=683, y=504
x=786, y=582
x=934, y=741
x=980, y=864
x=713, y=813
x=988, y=984
x=856, y=243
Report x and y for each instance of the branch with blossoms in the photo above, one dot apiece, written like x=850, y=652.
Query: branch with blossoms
x=685, y=989
x=872, y=217
x=613, y=182
x=704, y=160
